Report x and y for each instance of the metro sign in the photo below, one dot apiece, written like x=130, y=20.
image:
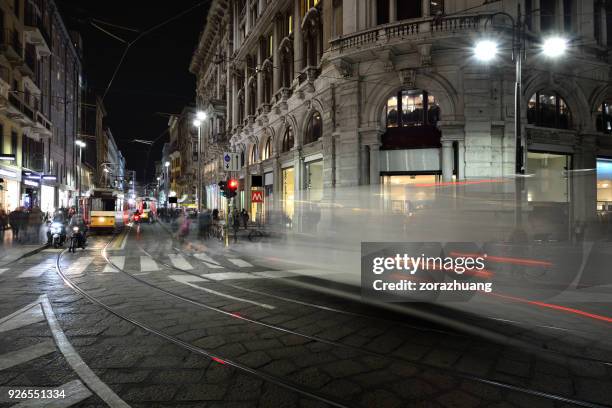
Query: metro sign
x=257, y=196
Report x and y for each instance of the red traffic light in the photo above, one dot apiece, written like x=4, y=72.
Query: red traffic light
x=233, y=184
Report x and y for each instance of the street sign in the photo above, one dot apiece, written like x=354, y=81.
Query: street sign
x=257, y=196
x=231, y=161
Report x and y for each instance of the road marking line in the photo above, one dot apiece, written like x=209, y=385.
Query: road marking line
x=30, y=314
x=208, y=261
x=74, y=392
x=26, y=354
x=239, y=263
x=75, y=361
x=115, y=260
x=78, y=267
x=2, y=270
x=147, y=264
x=180, y=262
x=275, y=274
x=230, y=275
x=37, y=270
x=188, y=279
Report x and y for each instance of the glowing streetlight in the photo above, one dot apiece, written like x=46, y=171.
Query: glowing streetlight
x=197, y=123
x=80, y=143
x=554, y=47
x=201, y=115
x=485, y=50
x=167, y=164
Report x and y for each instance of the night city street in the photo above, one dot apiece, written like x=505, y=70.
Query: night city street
x=306, y=203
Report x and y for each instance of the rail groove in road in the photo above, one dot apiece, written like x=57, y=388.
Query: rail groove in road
x=198, y=350
x=499, y=339
x=454, y=373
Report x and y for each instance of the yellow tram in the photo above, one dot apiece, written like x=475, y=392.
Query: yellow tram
x=105, y=209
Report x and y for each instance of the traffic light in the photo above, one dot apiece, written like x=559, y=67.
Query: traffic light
x=223, y=188
x=232, y=185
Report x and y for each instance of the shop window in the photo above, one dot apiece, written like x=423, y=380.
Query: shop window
x=382, y=12
x=412, y=108
x=436, y=7
x=288, y=139
x=314, y=129
x=604, y=118
x=604, y=185
x=548, y=9
x=548, y=109
x=408, y=9
x=411, y=120
x=267, y=151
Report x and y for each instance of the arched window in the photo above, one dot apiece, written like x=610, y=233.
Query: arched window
x=240, y=107
x=267, y=151
x=412, y=108
x=268, y=81
x=252, y=97
x=254, y=154
x=288, y=139
x=242, y=158
x=604, y=118
x=548, y=109
x=314, y=129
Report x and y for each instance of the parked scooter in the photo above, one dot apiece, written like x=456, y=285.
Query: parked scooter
x=78, y=239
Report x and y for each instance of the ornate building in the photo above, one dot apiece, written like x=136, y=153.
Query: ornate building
x=321, y=94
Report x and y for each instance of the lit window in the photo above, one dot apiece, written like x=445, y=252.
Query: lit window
x=417, y=108
x=288, y=139
x=314, y=129
x=548, y=109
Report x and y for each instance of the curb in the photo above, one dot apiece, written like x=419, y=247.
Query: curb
x=25, y=255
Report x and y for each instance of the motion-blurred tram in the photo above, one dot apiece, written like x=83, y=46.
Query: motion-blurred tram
x=105, y=209
x=146, y=208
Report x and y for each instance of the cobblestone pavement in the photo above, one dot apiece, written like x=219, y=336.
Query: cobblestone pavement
x=163, y=324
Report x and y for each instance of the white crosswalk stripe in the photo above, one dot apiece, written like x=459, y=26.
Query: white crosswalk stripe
x=2, y=270
x=239, y=262
x=26, y=354
x=79, y=266
x=208, y=261
x=37, y=270
x=179, y=262
x=229, y=275
x=21, y=318
x=147, y=264
x=115, y=260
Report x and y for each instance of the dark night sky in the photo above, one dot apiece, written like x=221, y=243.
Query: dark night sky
x=154, y=76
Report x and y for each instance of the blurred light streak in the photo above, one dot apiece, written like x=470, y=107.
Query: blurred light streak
x=456, y=183
x=555, y=307
x=509, y=260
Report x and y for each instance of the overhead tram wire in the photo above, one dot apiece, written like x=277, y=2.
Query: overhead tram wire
x=142, y=34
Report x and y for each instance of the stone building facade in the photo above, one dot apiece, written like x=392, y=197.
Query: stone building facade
x=317, y=95
x=41, y=88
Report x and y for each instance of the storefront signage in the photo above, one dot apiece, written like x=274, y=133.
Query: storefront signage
x=231, y=161
x=30, y=183
x=7, y=157
x=257, y=196
x=8, y=173
x=49, y=177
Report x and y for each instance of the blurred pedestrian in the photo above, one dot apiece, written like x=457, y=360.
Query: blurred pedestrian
x=15, y=219
x=3, y=222
x=35, y=220
x=235, y=223
x=244, y=216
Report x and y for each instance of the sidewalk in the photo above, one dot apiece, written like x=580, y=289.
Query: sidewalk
x=11, y=250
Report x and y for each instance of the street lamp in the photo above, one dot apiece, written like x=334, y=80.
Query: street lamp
x=81, y=144
x=485, y=51
x=197, y=122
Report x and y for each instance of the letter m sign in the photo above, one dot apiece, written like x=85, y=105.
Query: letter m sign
x=257, y=196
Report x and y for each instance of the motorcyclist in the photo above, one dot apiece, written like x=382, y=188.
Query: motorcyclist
x=77, y=221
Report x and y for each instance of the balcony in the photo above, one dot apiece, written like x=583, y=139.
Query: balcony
x=394, y=34
x=11, y=46
x=35, y=33
x=28, y=68
x=18, y=110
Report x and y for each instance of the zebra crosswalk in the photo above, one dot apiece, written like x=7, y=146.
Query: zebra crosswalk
x=211, y=266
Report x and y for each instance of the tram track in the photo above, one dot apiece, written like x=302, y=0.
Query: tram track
x=279, y=381
x=458, y=332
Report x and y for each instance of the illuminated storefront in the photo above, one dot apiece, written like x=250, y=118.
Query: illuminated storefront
x=604, y=185
x=288, y=191
x=9, y=196
x=408, y=193
x=47, y=198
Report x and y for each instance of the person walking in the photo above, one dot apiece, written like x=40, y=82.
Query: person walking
x=244, y=216
x=3, y=222
x=235, y=222
x=15, y=220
